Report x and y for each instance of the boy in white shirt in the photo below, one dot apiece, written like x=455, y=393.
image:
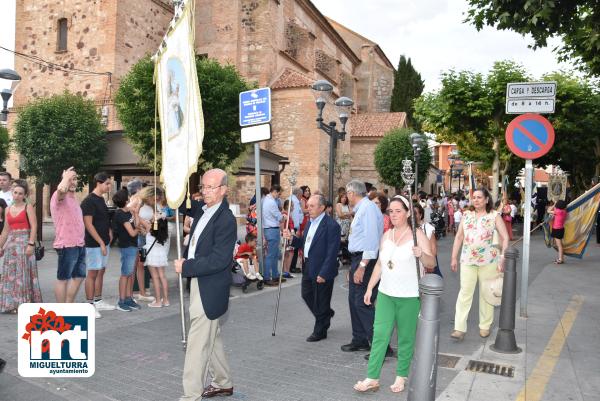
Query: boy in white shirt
x=457, y=218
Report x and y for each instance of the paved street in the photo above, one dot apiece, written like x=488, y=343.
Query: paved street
x=139, y=355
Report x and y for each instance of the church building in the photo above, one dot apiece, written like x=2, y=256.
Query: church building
x=283, y=44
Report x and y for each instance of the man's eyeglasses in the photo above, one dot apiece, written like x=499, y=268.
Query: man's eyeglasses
x=208, y=188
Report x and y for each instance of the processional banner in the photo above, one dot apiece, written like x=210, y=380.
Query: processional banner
x=179, y=105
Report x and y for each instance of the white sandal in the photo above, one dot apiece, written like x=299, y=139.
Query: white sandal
x=366, y=385
x=396, y=387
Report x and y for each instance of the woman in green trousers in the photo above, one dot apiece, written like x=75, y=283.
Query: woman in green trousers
x=398, y=300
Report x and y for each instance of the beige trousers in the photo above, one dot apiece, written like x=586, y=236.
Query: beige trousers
x=468, y=280
x=205, y=353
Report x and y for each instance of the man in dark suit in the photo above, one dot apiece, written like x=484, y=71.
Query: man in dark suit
x=208, y=260
x=320, y=243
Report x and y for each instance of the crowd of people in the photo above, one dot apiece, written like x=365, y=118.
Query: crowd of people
x=373, y=235
x=137, y=225
x=366, y=230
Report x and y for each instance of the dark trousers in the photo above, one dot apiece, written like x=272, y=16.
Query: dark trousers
x=294, y=259
x=318, y=299
x=344, y=250
x=362, y=316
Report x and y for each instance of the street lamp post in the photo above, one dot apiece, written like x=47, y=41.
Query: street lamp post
x=322, y=90
x=416, y=140
x=456, y=167
x=6, y=94
x=451, y=158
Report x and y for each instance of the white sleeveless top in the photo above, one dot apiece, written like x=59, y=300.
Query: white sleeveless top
x=401, y=280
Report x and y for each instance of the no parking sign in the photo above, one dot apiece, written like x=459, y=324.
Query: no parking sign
x=530, y=136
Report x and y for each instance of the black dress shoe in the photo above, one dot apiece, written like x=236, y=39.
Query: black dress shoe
x=388, y=353
x=314, y=338
x=355, y=347
x=211, y=391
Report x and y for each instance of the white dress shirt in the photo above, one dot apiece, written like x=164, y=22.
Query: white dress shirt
x=208, y=214
x=314, y=224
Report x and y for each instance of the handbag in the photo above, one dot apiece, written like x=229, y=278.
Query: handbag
x=144, y=253
x=492, y=289
x=39, y=251
x=38, y=248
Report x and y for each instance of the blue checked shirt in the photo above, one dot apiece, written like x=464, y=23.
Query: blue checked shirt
x=271, y=215
x=366, y=229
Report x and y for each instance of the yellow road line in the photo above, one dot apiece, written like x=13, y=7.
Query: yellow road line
x=536, y=383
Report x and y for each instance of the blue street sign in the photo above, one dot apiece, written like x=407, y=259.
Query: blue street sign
x=255, y=107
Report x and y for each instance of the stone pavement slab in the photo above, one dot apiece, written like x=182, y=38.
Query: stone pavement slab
x=139, y=354
x=559, y=361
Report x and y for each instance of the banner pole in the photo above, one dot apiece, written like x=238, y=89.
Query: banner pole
x=283, y=245
x=180, y=281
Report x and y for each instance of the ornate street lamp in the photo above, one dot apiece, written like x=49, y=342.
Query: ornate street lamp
x=409, y=177
x=6, y=94
x=453, y=159
x=322, y=90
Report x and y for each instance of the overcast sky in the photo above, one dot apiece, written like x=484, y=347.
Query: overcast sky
x=430, y=32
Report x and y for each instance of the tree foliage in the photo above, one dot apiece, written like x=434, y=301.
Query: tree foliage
x=577, y=22
x=52, y=134
x=408, y=86
x=219, y=88
x=392, y=149
x=4, y=144
x=576, y=123
x=469, y=110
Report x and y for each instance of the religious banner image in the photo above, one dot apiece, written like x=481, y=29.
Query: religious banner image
x=179, y=107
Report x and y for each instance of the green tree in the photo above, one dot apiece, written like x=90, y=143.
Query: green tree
x=576, y=22
x=408, y=86
x=4, y=144
x=469, y=110
x=576, y=123
x=392, y=149
x=52, y=134
x=219, y=88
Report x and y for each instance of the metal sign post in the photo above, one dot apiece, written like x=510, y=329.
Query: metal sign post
x=259, y=227
x=528, y=136
x=526, y=236
x=255, y=115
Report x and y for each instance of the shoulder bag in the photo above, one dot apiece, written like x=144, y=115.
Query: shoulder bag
x=38, y=249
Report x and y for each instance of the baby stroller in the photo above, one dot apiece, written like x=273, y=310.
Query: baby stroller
x=240, y=279
x=437, y=220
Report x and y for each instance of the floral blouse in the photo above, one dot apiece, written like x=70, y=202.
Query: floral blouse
x=477, y=247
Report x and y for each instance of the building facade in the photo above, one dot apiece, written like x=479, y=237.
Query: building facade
x=283, y=44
